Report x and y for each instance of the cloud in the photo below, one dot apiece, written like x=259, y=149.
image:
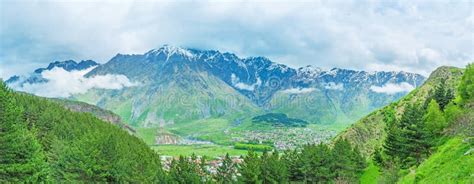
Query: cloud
x=392, y=88
x=240, y=85
x=62, y=83
x=299, y=90
x=333, y=86
x=366, y=35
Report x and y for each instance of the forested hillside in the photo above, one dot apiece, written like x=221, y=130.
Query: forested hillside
x=369, y=132
x=426, y=137
x=42, y=141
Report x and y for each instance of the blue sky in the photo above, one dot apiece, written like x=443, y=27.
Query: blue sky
x=415, y=36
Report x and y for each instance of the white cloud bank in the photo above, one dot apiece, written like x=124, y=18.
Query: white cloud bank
x=369, y=35
x=62, y=83
x=334, y=86
x=299, y=90
x=392, y=88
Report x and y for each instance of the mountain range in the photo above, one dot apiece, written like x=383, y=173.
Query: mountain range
x=214, y=84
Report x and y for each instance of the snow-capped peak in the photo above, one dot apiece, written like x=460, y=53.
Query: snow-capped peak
x=172, y=50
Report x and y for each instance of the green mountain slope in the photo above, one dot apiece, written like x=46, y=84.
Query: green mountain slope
x=426, y=137
x=451, y=163
x=369, y=132
x=43, y=141
x=330, y=107
x=151, y=105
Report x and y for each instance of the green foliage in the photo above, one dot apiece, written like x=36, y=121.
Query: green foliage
x=279, y=119
x=311, y=164
x=317, y=163
x=434, y=118
x=42, y=141
x=393, y=144
x=294, y=163
x=255, y=147
x=273, y=169
x=250, y=168
x=21, y=156
x=451, y=112
x=349, y=163
x=371, y=174
x=451, y=163
x=412, y=133
x=442, y=95
x=408, y=140
x=185, y=170
x=389, y=115
x=466, y=87
x=227, y=172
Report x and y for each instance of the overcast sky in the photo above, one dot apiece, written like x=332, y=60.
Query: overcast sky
x=415, y=36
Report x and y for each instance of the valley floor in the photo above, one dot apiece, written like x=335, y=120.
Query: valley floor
x=217, y=138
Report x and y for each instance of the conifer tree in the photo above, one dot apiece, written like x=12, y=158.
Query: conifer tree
x=227, y=171
x=184, y=171
x=378, y=158
x=440, y=94
x=318, y=162
x=21, y=157
x=359, y=160
x=393, y=142
x=273, y=169
x=343, y=167
x=250, y=168
x=413, y=137
x=293, y=161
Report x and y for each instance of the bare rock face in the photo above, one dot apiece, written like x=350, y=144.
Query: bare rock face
x=102, y=114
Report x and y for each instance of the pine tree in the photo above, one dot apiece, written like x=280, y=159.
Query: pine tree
x=293, y=161
x=359, y=160
x=250, y=168
x=318, y=161
x=203, y=169
x=343, y=167
x=407, y=140
x=21, y=157
x=449, y=97
x=184, y=171
x=227, y=171
x=440, y=94
x=378, y=158
x=273, y=169
x=413, y=138
x=394, y=142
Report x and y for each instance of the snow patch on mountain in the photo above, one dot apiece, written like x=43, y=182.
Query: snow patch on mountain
x=282, y=68
x=61, y=83
x=172, y=50
x=392, y=88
